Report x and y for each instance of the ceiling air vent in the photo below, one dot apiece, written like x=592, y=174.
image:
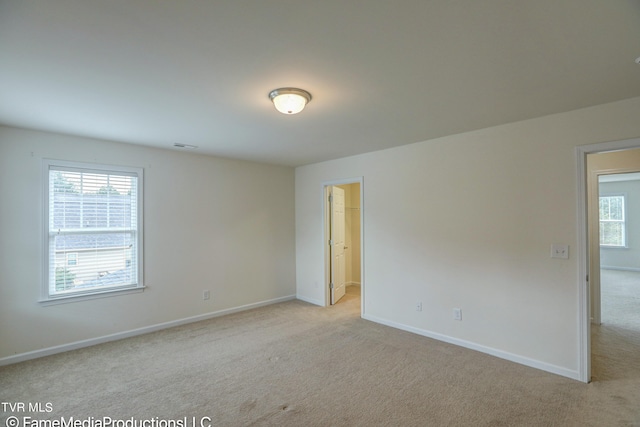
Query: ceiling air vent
x=179, y=145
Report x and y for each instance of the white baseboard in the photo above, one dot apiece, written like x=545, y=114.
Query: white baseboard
x=353, y=284
x=132, y=333
x=558, y=370
x=310, y=300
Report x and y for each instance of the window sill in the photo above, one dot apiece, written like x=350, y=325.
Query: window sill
x=89, y=296
x=613, y=247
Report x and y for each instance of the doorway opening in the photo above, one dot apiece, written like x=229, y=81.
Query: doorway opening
x=603, y=248
x=343, y=231
x=618, y=302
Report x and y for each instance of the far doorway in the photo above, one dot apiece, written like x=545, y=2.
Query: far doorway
x=619, y=213
x=613, y=209
x=343, y=234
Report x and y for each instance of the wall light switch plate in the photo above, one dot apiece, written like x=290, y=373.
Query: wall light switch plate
x=559, y=251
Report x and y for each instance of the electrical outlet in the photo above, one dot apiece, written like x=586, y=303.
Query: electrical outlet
x=206, y=294
x=419, y=306
x=457, y=314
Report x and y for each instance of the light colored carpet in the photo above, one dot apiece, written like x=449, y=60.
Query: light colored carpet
x=616, y=343
x=620, y=298
x=295, y=364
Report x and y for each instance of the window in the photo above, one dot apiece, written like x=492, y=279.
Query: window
x=93, y=226
x=612, y=221
x=72, y=258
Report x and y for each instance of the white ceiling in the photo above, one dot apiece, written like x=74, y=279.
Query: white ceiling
x=382, y=73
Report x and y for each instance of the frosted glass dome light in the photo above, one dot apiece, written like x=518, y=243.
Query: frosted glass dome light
x=289, y=100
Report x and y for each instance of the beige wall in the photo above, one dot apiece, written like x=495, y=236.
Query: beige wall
x=354, y=208
x=467, y=221
x=209, y=223
x=352, y=231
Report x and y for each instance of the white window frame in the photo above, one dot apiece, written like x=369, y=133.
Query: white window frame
x=623, y=221
x=46, y=297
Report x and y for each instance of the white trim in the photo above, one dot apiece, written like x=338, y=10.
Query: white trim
x=584, y=298
x=310, y=300
x=537, y=364
x=612, y=267
x=620, y=177
x=134, y=332
x=103, y=293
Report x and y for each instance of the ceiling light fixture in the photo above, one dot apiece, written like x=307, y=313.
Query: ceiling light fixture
x=181, y=145
x=289, y=100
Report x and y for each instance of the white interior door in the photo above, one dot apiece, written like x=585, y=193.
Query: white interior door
x=338, y=270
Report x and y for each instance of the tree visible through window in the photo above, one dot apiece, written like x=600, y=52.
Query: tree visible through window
x=94, y=224
x=612, y=221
